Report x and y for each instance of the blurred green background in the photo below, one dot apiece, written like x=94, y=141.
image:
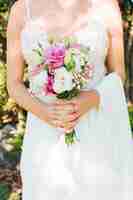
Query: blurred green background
x=13, y=117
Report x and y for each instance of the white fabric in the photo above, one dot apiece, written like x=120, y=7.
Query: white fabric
x=28, y=14
x=100, y=165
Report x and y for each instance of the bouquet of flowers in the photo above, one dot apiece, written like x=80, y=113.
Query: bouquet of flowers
x=64, y=69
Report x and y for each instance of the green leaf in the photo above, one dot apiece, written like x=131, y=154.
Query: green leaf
x=4, y=191
x=70, y=138
x=70, y=66
x=68, y=95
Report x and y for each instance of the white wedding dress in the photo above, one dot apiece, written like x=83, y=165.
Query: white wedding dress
x=100, y=165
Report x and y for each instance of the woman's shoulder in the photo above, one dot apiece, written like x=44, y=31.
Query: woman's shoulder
x=17, y=7
x=109, y=14
x=105, y=2
x=106, y=5
x=108, y=11
x=17, y=14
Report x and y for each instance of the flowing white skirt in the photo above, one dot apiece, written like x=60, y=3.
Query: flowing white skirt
x=98, y=167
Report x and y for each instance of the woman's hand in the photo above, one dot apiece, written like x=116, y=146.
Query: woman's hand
x=66, y=114
x=84, y=102
x=61, y=114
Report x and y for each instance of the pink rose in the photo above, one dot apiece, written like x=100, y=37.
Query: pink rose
x=48, y=87
x=55, y=56
x=36, y=70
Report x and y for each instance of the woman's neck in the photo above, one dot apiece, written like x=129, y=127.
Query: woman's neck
x=68, y=4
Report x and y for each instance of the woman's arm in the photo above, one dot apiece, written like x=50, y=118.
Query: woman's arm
x=15, y=67
x=115, y=59
x=109, y=12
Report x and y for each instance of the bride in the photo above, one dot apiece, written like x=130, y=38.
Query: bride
x=99, y=165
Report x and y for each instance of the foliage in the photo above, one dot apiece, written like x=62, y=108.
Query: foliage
x=10, y=184
x=4, y=5
x=131, y=117
x=4, y=191
x=3, y=90
x=127, y=12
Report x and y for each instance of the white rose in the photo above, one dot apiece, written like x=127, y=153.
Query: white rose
x=38, y=80
x=33, y=58
x=63, y=80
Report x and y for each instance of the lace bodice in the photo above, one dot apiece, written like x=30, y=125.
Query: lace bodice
x=94, y=35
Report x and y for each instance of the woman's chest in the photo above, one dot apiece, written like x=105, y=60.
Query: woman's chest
x=94, y=36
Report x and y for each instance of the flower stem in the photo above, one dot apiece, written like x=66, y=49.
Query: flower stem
x=70, y=137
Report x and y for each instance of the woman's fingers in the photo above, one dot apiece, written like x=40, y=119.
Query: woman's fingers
x=57, y=123
x=63, y=109
x=62, y=114
x=66, y=125
x=72, y=117
x=65, y=118
x=70, y=126
x=68, y=122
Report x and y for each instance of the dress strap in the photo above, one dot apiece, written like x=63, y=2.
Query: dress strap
x=28, y=16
